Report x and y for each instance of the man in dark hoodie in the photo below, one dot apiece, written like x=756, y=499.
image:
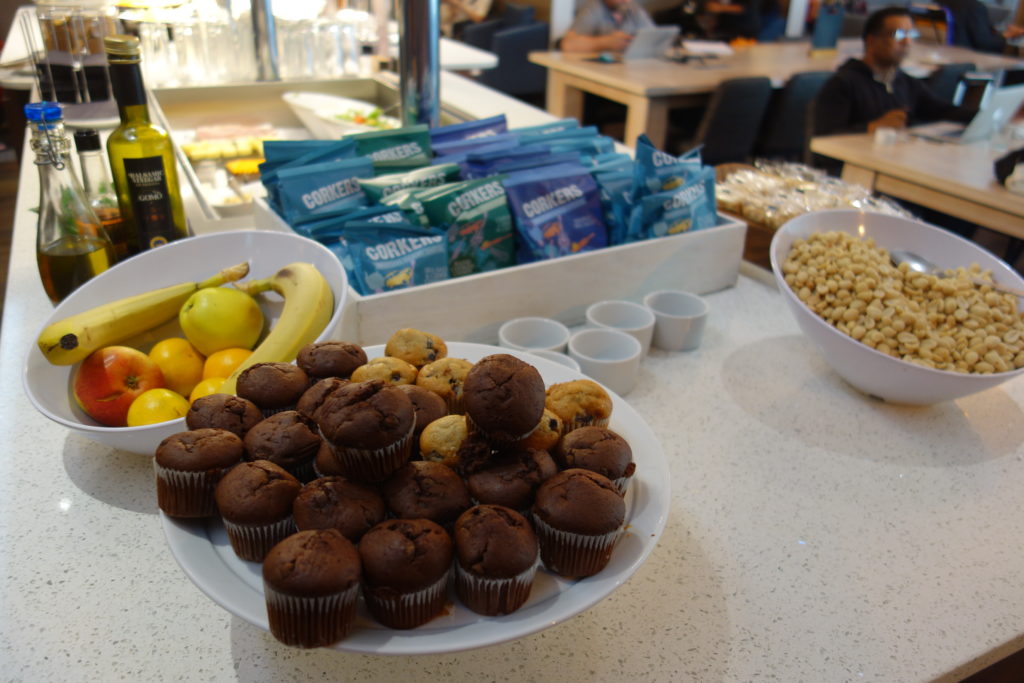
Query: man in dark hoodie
x=873, y=92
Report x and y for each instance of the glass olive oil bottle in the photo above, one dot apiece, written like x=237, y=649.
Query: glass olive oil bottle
x=99, y=189
x=141, y=156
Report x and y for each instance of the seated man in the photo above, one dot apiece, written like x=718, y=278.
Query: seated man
x=455, y=14
x=605, y=25
x=973, y=28
x=874, y=92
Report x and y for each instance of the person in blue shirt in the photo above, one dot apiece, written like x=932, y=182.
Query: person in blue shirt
x=972, y=27
x=605, y=25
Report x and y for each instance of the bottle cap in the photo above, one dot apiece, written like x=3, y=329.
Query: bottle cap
x=121, y=49
x=87, y=140
x=42, y=112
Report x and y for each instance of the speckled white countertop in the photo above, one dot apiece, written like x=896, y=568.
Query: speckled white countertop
x=814, y=535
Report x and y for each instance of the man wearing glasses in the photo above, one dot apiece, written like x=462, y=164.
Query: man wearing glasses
x=873, y=92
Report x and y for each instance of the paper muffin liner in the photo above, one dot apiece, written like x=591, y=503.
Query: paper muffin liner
x=583, y=420
x=621, y=484
x=497, y=442
x=374, y=465
x=186, y=494
x=494, y=596
x=252, y=542
x=574, y=555
x=304, y=471
x=267, y=412
x=311, y=621
x=408, y=610
x=455, y=404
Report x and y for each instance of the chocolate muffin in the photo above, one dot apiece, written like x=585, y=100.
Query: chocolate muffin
x=513, y=478
x=326, y=464
x=311, y=400
x=504, y=398
x=337, y=503
x=272, y=386
x=406, y=564
x=289, y=439
x=255, y=502
x=311, y=583
x=496, y=559
x=188, y=466
x=223, y=411
x=330, y=359
x=369, y=425
x=600, y=450
x=426, y=405
x=578, y=516
x=445, y=377
x=426, y=490
x=386, y=369
x=415, y=347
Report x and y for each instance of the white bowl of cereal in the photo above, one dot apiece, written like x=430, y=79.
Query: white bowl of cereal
x=961, y=339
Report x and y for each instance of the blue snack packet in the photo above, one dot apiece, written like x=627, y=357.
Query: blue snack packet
x=616, y=190
x=332, y=226
x=557, y=212
x=518, y=163
x=551, y=127
x=475, y=145
x=478, y=226
x=468, y=130
x=659, y=172
x=316, y=190
x=684, y=209
x=610, y=162
x=378, y=188
x=381, y=257
x=324, y=151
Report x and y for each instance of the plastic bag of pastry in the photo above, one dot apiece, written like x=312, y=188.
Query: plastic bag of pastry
x=380, y=187
x=557, y=212
x=475, y=216
x=395, y=150
x=684, y=209
x=380, y=257
x=550, y=127
x=658, y=171
x=315, y=190
x=616, y=191
x=469, y=130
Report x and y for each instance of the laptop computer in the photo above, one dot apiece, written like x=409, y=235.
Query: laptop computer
x=651, y=43
x=997, y=108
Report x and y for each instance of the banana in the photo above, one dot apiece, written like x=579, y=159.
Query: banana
x=70, y=340
x=308, y=307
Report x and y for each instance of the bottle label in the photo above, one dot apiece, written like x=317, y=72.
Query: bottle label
x=151, y=203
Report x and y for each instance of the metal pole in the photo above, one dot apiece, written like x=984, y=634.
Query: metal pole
x=419, y=79
x=264, y=37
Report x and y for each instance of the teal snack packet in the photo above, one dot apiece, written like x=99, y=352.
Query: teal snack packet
x=550, y=137
x=610, y=162
x=684, y=209
x=332, y=226
x=551, y=127
x=478, y=224
x=313, y=191
x=396, y=149
x=557, y=211
x=520, y=163
x=324, y=151
x=659, y=172
x=475, y=145
x=468, y=130
x=382, y=257
x=409, y=203
x=378, y=188
x=616, y=191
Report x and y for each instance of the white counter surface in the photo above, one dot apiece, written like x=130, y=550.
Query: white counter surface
x=814, y=535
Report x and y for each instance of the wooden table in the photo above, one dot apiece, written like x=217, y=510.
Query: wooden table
x=650, y=87
x=956, y=179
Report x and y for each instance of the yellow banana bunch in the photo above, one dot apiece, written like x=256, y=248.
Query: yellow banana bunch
x=308, y=307
x=70, y=340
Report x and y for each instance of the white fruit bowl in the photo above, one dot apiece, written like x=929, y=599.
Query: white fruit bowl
x=868, y=370
x=49, y=386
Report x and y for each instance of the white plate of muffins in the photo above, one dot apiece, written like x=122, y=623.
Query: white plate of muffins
x=204, y=551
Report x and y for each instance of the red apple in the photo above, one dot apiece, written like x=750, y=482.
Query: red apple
x=111, y=378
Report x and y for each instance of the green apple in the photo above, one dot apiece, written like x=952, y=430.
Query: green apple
x=216, y=318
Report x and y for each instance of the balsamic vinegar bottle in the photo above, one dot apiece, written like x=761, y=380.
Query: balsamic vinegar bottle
x=141, y=156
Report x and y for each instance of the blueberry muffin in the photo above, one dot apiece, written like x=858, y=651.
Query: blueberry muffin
x=547, y=434
x=445, y=377
x=579, y=403
x=386, y=369
x=415, y=347
x=442, y=438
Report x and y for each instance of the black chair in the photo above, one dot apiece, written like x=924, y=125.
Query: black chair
x=517, y=15
x=785, y=132
x=481, y=35
x=944, y=81
x=732, y=120
x=515, y=74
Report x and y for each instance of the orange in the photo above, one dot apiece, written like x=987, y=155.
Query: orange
x=210, y=385
x=222, y=363
x=156, y=405
x=180, y=362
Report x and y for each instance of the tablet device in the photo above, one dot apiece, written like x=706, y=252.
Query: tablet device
x=651, y=43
